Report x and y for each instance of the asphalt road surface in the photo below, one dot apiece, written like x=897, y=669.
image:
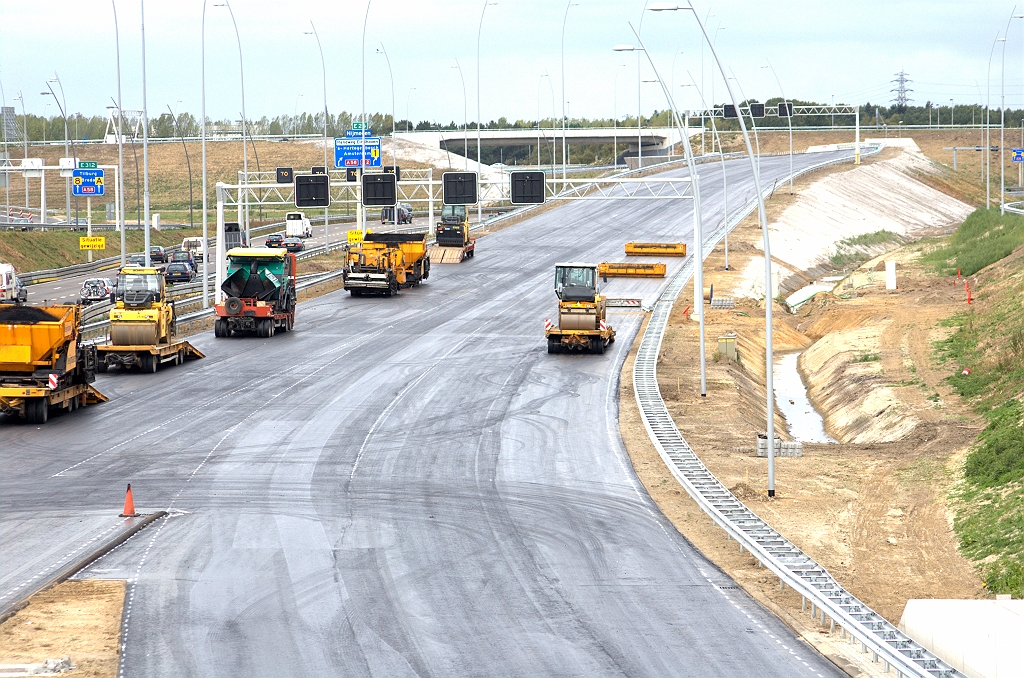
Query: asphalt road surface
x=405, y=486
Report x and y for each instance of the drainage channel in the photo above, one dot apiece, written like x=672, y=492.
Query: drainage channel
x=803, y=422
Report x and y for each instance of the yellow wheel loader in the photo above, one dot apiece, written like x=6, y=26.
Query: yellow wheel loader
x=582, y=323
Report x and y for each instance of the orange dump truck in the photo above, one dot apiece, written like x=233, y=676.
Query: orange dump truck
x=43, y=363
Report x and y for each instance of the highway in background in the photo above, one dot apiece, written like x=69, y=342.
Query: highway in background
x=404, y=486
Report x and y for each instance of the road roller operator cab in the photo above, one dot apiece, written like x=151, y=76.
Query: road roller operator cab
x=141, y=313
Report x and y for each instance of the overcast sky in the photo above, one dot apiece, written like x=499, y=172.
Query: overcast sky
x=819, y=48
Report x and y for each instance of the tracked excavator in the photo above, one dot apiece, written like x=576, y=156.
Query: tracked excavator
x=582, y=323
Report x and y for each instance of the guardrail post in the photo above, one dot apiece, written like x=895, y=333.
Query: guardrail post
x=803, y=603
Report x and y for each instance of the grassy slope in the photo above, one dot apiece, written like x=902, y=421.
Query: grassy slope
x=989, y=343
x=33, y=251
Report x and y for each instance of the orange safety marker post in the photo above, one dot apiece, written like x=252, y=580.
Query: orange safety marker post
x=129, y=504
x=968, y=288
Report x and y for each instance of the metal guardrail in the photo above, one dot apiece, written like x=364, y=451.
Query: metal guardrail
x=793, y=567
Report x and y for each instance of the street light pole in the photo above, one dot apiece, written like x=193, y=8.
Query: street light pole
x=24, y=117
x=202, y=133
x=479, y=31
x=245, y=155
x=615, y=120
x=120, y=143
x=408, y=120
x=465, y=117
x=988, y=125
x=770, y=405
x=698, y=231
x=565, y=19
x=362, y=142
x=145, y=137
x=391, y=77
x=725, y=184
x=67, y=131
x=789, y=119
x=323, y=71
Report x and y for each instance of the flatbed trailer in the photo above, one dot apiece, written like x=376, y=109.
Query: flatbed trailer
x=451, y=255
x=146, y=358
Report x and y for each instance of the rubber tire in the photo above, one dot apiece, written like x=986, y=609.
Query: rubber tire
x=233, y=305
x=37, y=410
x=148, y=363
x=270, y=327
x=597, y=345
x=101, y=366
x=554, y=345
x=180, y=358
x=356, y=293
x=74, y=403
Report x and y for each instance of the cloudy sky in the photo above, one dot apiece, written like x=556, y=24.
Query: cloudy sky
x=819, y=49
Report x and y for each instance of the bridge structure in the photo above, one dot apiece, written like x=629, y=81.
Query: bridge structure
x=655, y=140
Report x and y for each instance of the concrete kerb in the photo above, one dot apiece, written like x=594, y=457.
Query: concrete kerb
x=75, y=566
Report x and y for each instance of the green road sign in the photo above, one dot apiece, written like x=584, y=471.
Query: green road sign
x=357, y=125
x=86, y=164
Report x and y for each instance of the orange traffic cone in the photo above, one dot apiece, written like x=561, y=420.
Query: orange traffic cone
x=129, y=504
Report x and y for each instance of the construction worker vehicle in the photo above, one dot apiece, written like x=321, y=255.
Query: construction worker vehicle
x=43, y=362
x=260, y=289
x=384, y=263
x=142, y=324
x=452, y=235
x=582, y=323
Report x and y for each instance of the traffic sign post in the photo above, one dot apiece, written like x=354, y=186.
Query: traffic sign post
x=91, y=243
x=347, y=152
x=88, y=182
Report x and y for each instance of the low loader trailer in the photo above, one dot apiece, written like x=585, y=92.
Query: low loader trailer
x=454, y=243
x=261, y=293
x=582, y=322
x=384, y=263
x=44, y=364
x=142, y=325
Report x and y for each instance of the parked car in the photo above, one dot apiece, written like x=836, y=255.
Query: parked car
x=387, y=214
x=293, y=244
x=274, y=240
x=184, y=257
x=179, y=272
x=96, y=289
x=157, y=254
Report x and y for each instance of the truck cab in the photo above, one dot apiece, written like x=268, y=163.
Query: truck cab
x=576, y=282
x=296, y=225
x=11, y=289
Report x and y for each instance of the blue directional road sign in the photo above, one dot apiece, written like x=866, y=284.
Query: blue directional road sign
x=358, y=133
x=347, y=152
x=1018, y=154
x=87, y=182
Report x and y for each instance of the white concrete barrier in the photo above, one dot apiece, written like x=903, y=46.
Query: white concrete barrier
x=979, y=638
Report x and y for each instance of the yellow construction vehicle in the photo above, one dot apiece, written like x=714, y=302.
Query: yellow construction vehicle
x=452, y=234
x=629, y=269
x=43, y=362
x=142, y=324
x=384, y=263
x=664, y=249
x=582, y=324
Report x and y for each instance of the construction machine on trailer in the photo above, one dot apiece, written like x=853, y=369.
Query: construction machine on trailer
x=142, y=324
x=43, y=362
x=261, y=293
x=452, y=235
x=582, y=323
x=384, y=263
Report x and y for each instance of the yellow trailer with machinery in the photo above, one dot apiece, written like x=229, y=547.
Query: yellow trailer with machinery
x=627, y=269
x=665, y=249
x=142, y=329
x=43, y=362
x=384, y=263
x=582, y=322
x=452, y=236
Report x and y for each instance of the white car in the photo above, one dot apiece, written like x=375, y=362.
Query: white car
x=11, y=289
x=296, y=225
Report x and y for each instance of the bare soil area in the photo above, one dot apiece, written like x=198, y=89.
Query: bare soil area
x=80, y=619
x=873, y=513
